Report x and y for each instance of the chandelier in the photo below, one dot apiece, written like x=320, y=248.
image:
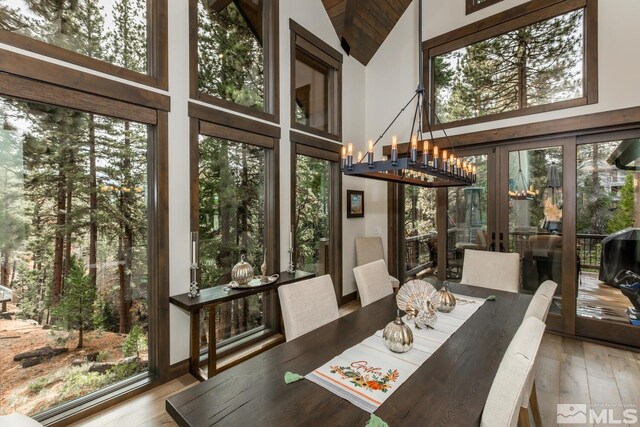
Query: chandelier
x=429, y=168
x=525, y=192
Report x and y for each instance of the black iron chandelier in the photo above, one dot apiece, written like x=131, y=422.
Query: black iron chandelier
x=429, y=169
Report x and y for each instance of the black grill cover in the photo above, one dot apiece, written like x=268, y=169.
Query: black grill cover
x=620, y=251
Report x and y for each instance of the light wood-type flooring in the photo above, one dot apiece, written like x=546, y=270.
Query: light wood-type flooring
x=567, y=371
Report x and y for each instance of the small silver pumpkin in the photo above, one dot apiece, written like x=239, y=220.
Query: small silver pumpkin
x=398, y=336
x=242, y=272
x=446, y=300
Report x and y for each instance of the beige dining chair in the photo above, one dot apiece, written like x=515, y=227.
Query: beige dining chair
x=495, y=270
x=373, y=282
x=369, y=249
x=502, y=408
x=541, y=301
x=307, y=305
x=538, y=308
x=18, y=420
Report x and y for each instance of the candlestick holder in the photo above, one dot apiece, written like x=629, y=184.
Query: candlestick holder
x=194, y=289
x=292, y=267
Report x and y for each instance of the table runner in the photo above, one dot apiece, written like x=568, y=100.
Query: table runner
x=368, y=373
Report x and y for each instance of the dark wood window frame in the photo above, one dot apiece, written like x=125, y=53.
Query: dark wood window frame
x=157, y=50
x=309, y=44
x=473, y=5
x=215, y=123
x=311, y=146
x=509, y=20
x=21, y=87
x=271, y=66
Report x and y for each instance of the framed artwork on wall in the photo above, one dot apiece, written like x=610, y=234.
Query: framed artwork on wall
x=355, y=204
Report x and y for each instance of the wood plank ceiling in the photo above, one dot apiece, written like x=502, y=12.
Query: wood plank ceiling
x=364, y=24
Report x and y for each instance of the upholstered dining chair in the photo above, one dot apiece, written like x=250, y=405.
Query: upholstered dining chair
x=18, y=420
x=307, y=305
x=502, y=408
x=495, y=270
x=541, y=302
x=538, y=308
x=373, y=282
x=369, y=249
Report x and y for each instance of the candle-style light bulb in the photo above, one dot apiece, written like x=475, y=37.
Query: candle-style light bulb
x=436, y=158
x=370, y=154
x=350, y=156
x=445, y=157
x=475, y=171
x=350, y=150
x=414, y=148
x=464, y=168
x=425, y=153
x=343, y=157
x=394, y=149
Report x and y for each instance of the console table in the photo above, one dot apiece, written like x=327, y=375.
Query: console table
x=208, y=300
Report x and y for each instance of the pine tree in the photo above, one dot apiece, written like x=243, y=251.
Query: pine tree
x=76, y=306
x=623, y=214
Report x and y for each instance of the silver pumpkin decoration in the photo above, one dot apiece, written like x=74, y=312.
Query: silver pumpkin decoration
x=446, y=300
x=398, y=336
x=242, y=272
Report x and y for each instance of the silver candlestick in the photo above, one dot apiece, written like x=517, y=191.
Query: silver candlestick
x=292, y=267
x=194, y=289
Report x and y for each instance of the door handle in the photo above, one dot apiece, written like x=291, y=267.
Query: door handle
x=492, y=246
x=502, y=249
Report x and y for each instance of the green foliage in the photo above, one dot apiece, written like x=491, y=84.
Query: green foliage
x=135, y=342
x=104, y=316
x=103, y=356
x=78, y=298
x=122, y=371
x=623, y=214
x=312, y=211
x=37, y=385
x=230, y=56
x=534, y=65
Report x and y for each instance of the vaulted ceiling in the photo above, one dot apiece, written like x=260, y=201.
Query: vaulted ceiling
x=364, y=24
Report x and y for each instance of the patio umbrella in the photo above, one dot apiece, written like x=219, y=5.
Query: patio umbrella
x=552, y=200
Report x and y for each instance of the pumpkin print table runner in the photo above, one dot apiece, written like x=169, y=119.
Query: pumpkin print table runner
x=367, y=373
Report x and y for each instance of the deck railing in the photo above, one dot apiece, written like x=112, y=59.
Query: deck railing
x=421, y=250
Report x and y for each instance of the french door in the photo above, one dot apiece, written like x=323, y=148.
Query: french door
x=570, y=207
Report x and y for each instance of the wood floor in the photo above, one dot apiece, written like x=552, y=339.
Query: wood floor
x=567, y=371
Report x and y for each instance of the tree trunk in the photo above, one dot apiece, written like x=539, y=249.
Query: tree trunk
x=93, y=204
x=68, y=230
x=522, y=73
x=126, y=236
x=5, y=277
x=59, y=236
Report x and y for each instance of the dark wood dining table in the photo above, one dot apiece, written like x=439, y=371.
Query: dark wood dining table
x=449, y=389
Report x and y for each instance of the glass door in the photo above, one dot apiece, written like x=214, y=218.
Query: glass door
x=532, y=218
x=608, y=238
x=471, y=213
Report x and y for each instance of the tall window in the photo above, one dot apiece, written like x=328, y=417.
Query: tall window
x=74, y=235
x=312, y=214
x=121, y=33
x=532, y=68
x=316, y=73
x=236, y=54
x=235, y=205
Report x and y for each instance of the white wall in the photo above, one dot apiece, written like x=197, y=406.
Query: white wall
x=392, y=74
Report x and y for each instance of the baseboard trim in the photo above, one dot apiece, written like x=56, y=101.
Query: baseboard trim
x=349, y=297
x=178, y=369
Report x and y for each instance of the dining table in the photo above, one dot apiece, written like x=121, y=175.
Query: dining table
x=449, y=389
